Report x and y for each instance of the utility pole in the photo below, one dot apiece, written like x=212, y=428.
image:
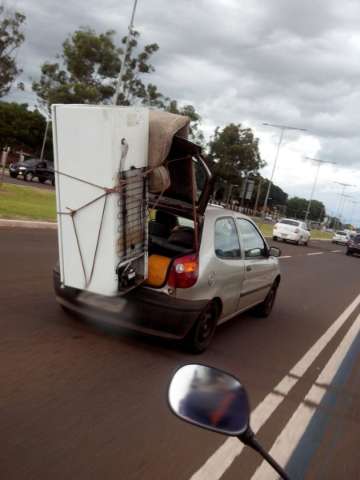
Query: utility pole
x=340, y=204
x=258, y=194
x=44, y=139
x=119, y=83
x=282, y=129
x=319, y=163
x=354, y=202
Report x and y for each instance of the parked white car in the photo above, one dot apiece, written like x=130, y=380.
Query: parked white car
x=291, y=230
x=341, y=237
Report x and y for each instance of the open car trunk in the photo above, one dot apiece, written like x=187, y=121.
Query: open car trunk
x=170, y=235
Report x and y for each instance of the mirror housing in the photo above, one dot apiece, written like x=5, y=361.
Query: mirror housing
x=274, y=252
x=209, y=398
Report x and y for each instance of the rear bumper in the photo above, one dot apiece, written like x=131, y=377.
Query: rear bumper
x=142, y=309
x=293, y=237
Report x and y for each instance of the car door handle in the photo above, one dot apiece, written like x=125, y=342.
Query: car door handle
x=248, y=268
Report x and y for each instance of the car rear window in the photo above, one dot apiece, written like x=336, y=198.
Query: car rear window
x=290, y=222
x=341, y=233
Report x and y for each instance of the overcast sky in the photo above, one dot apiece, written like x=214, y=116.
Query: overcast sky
x=242, y=61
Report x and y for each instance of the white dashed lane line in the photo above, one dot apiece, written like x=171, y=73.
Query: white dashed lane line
x=308, y=254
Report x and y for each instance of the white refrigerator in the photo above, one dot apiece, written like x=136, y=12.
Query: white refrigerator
x=100, y=159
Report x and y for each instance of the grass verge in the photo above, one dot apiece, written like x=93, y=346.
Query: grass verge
x=267, y=229
x=27, y=203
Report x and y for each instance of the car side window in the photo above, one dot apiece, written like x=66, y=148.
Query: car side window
x=227, y=243
x=252, y=241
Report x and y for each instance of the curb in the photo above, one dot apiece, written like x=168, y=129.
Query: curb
x=27, y=224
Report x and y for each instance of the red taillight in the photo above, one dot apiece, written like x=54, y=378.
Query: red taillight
x=184, y=272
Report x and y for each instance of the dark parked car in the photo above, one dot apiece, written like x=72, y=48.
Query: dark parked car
x=33, y=168
x=353, y=245
x=25, y=169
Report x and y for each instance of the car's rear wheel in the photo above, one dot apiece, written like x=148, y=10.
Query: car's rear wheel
x=348, y=252
x=42, y=180
x=264, y=309
x=201, y=334
x=28, y=176
x=13, y=175
x=275, y=238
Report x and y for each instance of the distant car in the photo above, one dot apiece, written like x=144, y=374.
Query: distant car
x=353, y=245
x=291, y=230
x=340, y=237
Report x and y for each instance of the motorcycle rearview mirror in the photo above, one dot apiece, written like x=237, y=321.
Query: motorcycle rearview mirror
x=213, y=399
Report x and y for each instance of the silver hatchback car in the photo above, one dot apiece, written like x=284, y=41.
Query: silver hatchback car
x=188, y=294
x=205, y=264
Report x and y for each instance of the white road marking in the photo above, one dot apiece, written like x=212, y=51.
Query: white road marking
x=290, y=436
x=286, y=256
x=224, y=456
x=315, y=253
x=336, y=251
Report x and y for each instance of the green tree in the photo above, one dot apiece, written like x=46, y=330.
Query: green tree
x=21, y=128
x=87, y=71
x=195, y=135
x=11, y=38
x=277, y=195
x=233, y=153
x=296, y=207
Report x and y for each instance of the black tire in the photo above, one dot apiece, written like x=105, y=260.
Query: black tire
x=348, y=252
x=53, y=182
x=28, y=176
x=275, y=239
x=42, y=180
x=264, y=309
x=13, y=175
x=201, y=334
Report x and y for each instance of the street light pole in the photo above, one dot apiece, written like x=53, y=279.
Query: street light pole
x=282, y=131
x=319, y=163
x=342, y=196
x=354, y=202
x=123, y=61
x=44, y=139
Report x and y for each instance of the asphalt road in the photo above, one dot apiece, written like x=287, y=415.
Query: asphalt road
x=85, y=401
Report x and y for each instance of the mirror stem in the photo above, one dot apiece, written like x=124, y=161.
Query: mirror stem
x=248, y=438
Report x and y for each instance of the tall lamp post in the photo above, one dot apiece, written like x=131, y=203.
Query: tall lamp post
x=354, y=202
x=319, y=163
x=123, y=61
x=341, y=199
x=282, y=129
